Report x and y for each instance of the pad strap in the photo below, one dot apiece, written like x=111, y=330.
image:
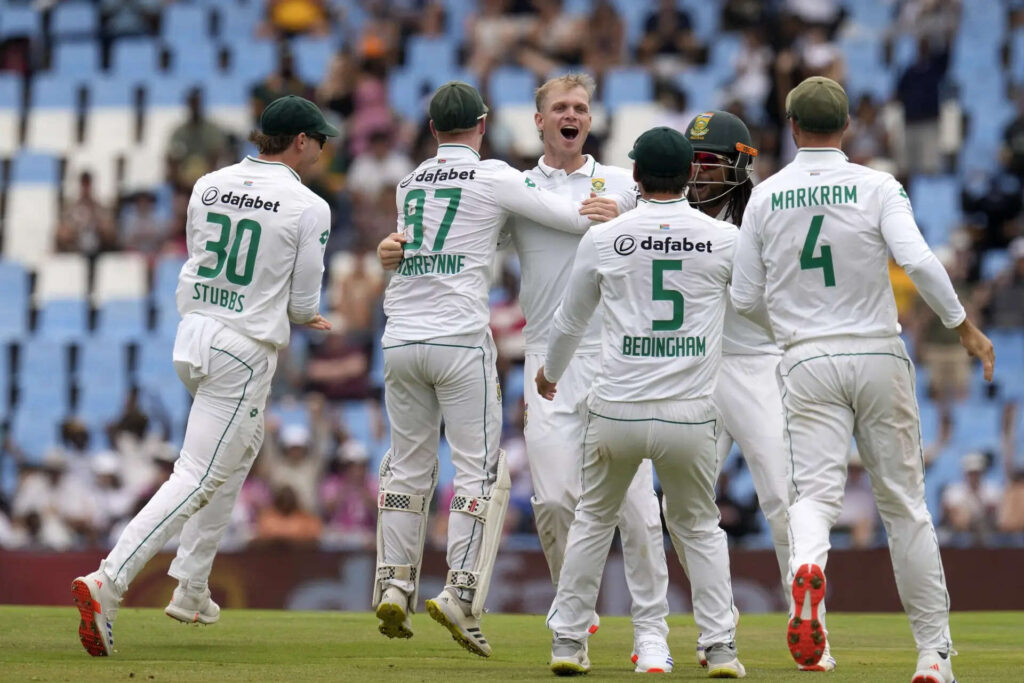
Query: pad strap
x=403, y=502
x=398, y=572
x=476, y=506
x=460, y=578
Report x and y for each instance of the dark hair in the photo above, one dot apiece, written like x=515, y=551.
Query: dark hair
x=653, y=184
x=270, y=144
x=738, y=198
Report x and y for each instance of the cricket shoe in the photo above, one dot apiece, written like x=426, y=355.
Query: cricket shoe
x=723, y=662
x=393, y=612
x=934, y=667
x=452, y=613
x=805, y=634
x=702, y=657
x=97, y=603
x=569, y=657
x=826, y=663
x=651, y=656
x=192, y=606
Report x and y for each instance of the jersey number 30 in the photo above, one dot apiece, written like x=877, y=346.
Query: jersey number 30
x=219, y=247
x=414, y=202
x=808, y=261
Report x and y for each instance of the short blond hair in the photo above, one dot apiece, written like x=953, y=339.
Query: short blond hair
x=566, y=82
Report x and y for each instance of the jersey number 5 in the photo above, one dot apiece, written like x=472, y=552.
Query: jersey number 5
x=414, y=202
x=659, y=293
x=808, y=261
x=219, y=248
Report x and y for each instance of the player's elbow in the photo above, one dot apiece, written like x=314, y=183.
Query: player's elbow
x=300, y=315
x=744, y=305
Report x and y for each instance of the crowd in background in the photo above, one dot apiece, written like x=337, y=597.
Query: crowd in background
x=315, y=480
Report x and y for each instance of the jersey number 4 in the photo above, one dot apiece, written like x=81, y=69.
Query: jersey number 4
x=414, y=202
x=659, y=293
x=219, y=248
x=808, y=261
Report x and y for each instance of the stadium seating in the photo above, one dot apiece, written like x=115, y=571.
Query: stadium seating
x=31, y=214
x=312, y=56
x=13, y=306
x=20, y=21
x=627, y=86
x=74, y=21
x=135, y=60
x=52, y=114
x=10, y=113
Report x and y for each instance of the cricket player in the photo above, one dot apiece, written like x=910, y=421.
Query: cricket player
x=439, y=362
x=661, y=272
x=747, y=393
x=555, y=429
x=814, y=246
x=256, y=239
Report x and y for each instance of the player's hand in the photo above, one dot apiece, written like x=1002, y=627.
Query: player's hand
x=390, y=251
x=979, y=346
x=544, y=387
x=318, y=323
x=599, y=209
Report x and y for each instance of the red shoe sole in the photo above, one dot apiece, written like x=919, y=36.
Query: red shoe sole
x=805, y=637
x=928, y=678
x=88, y=629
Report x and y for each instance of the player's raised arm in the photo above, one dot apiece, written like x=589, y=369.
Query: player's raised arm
x=304, y=298
x=748, y=272
x=516, y=193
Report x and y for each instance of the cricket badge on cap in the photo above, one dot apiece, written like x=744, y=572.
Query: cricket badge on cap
x=700, y=125
x=597, y=184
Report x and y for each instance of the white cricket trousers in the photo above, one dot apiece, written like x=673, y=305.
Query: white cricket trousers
x=747, y=395
x=679, y=437
x=453, y=378
x=863, y=387
x=554, y=435
x=229, y=375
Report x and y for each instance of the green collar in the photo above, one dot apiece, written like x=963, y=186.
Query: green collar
x=457, y=145
x=275, y=163
x=663, y=201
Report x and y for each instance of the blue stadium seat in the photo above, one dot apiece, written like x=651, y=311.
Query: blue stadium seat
x=184, y=24
x=290, y=412
x=225, y=92
x=408, y=93
x=5, y=384
x=102, y=362
x=77, y=61
x=976, y=423
x=936, y=201
x=165, y=275
x=53, y=92
x=993, y=262
x=706, y=17
x=111, y=92
x=35, y=431
x=238, y=21
x=135, y=58
x=424, y=54
x=14, y=306
x=33, y=168
x=627, y=86
x=99, y=403
x=167, y=91
x=871, y=15
x=10, y=91
x=194, y=61
x=312, y=57
x=154, y=364
x=20, y=21
x=73, y=20
x=42, y=358
x=510, y=85
x=63, y=319
x=124, y=320
x=252, y=61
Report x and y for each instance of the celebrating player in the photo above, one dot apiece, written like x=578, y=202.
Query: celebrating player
x=814, y=247
x=747, y=393
x=256, y=239
x=661, y=272
x=439, y=361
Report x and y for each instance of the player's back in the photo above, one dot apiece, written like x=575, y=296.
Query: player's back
x=818, y=224
x=663, y=268
x=451, y=220
x=243, y=233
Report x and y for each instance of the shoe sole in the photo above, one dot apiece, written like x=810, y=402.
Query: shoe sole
x=723, y=673
x=187, y=617
x=805, y=637
x=929, y=678
x=569, y=669
x=89, y=631
x=437, y=614
x=392, y=621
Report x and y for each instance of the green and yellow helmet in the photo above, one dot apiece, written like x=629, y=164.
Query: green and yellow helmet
x=721, y=139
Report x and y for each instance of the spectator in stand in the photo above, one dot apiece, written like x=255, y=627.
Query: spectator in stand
x=1013, y=140
x=348, y=498
x=123, y=18
x=1004, y=295
x=336, y=92
x=867, y=140
x=339, y=367
x=738, y=517
x=294, y=465
x=197, y=146
x=493, y=33
x=290, y=18
x=57, y=511
x=752, y=75
x=142, y=229
x=379, y=168
x=355, y=298
x=669, y=43
x=859, y=514
x=932, y=20
x=604, y=42
x=554, y=41
x=380, y=38
x=935, y=446
x=918, y=91
x=114, y=502
x=283, y=81
x=86, y=226
x=1011, y=510
x=286, y=523
x=969, y=506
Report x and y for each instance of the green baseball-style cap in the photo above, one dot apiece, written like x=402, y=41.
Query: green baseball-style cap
x=291, y=115
x=662, y=152
x=456, y=106
x=818, y=105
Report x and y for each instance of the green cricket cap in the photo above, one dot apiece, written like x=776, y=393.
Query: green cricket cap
x=662, y=152
x=456, y=106
x=291, y=115
x=818, y=105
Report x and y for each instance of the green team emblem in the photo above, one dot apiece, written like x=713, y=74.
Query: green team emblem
x=903, y=193
x=530, y=183
x=324, y=235
x=254, y=412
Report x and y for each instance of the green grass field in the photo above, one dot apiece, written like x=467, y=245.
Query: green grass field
x=41, y=644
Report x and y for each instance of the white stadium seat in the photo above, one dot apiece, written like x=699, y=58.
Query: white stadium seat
x=119, y=276
x=62, y=276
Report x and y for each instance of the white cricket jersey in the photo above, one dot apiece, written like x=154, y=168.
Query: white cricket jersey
x=661, y=272
x=256, y=239
x=451, y=209
x=814, y=244
x=546, y=255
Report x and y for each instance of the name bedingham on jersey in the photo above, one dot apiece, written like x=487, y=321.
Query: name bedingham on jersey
x=546, y=255
x=256, y=238
x=815, y=240
x=451, y=209
x=661, y=272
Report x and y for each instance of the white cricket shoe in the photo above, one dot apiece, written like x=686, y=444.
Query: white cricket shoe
x=723, y=662
x=702, y=657
x=651, y=656
x=97, y=603
x=569, y=657
x=393, y=612
x=452, y=613
x=933, y=667
x=192, y=607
